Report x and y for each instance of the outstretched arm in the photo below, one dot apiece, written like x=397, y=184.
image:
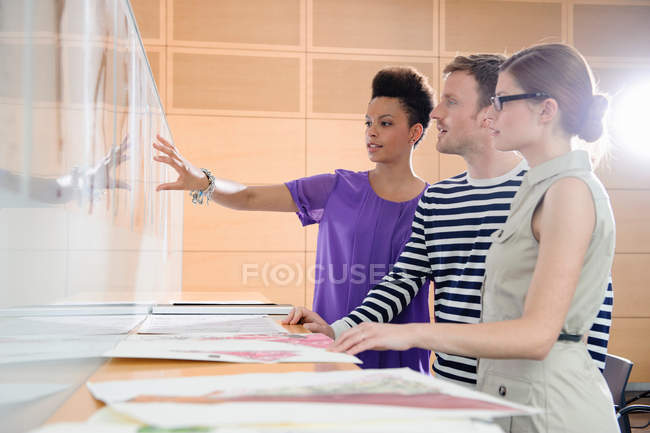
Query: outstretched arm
x=227, y=193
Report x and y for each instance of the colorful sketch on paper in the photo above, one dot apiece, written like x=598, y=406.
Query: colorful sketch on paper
x=378, y=390
x=263, y=356
x=231, y=347
x=319, y=341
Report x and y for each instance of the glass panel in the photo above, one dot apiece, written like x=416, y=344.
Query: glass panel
x=80, y=221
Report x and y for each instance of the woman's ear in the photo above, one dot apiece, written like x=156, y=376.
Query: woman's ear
x=549, y=110
x=415, y=133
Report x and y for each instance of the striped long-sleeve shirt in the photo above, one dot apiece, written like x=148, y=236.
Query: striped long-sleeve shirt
x=449, y=241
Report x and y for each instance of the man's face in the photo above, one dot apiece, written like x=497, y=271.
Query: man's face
x=457, y=116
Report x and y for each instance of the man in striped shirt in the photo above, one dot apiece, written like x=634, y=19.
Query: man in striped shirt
x=453, y=223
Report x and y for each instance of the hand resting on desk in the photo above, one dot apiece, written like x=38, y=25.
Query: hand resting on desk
x=312, y=321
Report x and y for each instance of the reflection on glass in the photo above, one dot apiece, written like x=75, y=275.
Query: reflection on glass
x=80, y=222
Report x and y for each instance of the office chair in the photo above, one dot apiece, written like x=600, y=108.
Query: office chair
x=623, y=416
x=617, y=372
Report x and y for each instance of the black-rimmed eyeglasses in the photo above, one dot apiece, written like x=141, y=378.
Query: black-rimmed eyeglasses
x=497, y=101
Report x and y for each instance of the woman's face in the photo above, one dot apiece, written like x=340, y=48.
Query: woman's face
x=515, y=127
x=388, y=135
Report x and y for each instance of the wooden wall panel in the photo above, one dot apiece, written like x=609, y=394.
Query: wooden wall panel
x=278, y=276
x=632, y=214
x=235, y=81
x=333, y=144
x=612, y=30
x=425, y=157
x=451, y=165
x=215, y=228
x=236, y=22
x=383, y=26
x=157, y=61
x=341, y=85
x=472, y=26
x=626, y=167
x=150, y=16
x=247, y=150
x=310, y=260
x=631, y=294
x=629, y=338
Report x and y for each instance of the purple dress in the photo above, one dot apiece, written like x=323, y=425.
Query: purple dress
x=360, y=236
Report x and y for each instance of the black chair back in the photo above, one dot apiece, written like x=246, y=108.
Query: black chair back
x=617, y=372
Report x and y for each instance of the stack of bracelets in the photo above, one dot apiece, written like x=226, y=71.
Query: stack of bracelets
x=198, y=195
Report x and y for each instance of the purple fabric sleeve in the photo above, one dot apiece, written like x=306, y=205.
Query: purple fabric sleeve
x=310, y=195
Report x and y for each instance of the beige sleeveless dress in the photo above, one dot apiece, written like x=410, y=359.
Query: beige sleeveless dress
x=566, y=385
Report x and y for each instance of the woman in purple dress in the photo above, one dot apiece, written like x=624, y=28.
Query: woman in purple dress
x=364, y=217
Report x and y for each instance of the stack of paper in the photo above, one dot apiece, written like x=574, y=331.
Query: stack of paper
x=440, y=425
x=231, y=307
x=225, y=338
x=362, y=400
x=231, y=347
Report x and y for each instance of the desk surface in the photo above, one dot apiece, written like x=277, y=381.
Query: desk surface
x=81, y=405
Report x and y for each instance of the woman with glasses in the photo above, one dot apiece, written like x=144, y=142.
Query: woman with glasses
x=364, y=217
x=547, y=268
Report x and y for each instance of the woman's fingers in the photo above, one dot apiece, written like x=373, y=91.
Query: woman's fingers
x=320, y=329
x=164, y=142
x=167, y=148
x=172, y=186
x=171, y=162
x=361, y=346
x=307, y=317
x=287, y=320
x=294, y=317
x=348, y=340
x=298, y=315
x=164, y=149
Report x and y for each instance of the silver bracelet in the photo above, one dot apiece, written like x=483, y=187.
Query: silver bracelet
x=198, y=195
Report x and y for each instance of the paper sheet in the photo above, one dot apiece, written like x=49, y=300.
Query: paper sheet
x=69, y=326
x=435, y=426
x=78, y=427
x=329, y=417
x=362, y=396
x=209, y=324
x=242, y=348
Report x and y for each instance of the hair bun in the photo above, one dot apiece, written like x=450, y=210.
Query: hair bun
x=592, y=127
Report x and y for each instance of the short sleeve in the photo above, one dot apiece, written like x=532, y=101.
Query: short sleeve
x=310, y=195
